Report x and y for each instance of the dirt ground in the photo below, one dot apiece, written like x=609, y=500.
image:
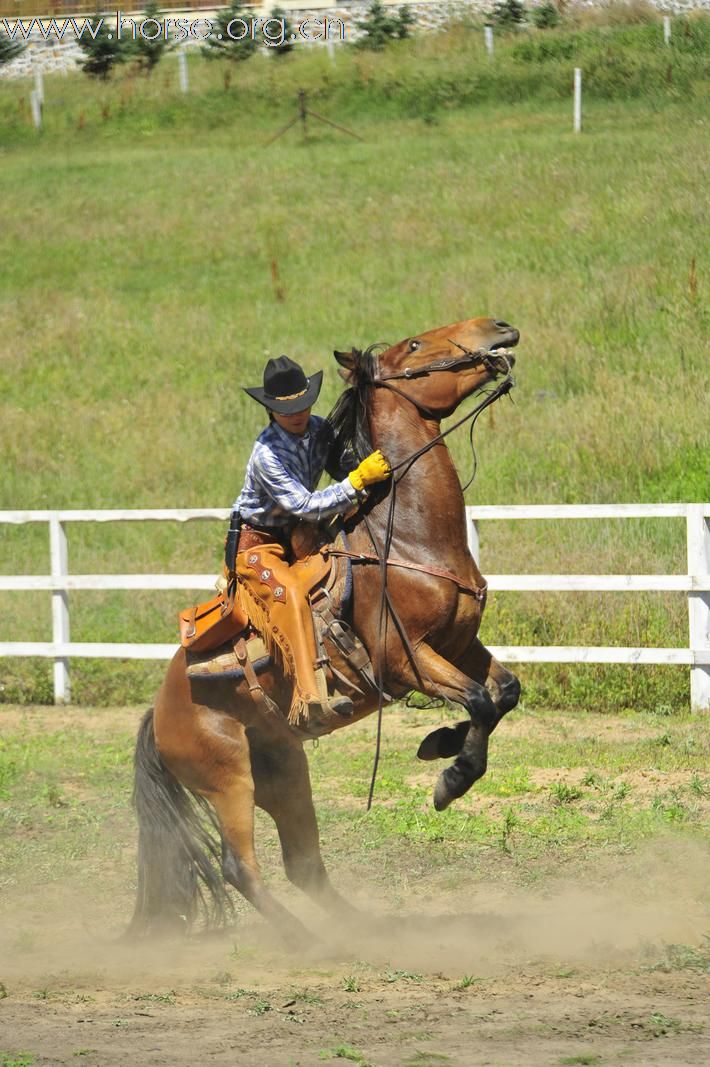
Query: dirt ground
x=523, y=979
x=572, y=968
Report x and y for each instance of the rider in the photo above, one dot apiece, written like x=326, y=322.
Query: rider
x=279, y=492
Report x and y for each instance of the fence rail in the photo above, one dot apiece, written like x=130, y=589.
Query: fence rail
x=695, y=584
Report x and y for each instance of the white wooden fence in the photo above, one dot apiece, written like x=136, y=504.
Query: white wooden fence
x=695, y=584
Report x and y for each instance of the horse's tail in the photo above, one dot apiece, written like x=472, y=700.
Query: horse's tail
x=179, y=848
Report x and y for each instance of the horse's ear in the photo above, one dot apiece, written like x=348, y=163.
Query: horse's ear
x=348, y=363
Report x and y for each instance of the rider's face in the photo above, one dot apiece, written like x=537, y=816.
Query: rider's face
x=296, y=424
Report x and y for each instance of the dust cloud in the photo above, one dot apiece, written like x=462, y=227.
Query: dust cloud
x=626, y=911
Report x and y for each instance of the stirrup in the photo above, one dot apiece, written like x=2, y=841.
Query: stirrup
x=342, y=706
x=324, y=710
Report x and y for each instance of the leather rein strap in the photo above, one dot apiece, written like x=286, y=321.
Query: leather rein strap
x=438, y=572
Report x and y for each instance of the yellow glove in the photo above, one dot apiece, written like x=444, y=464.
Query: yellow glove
x=374, y=468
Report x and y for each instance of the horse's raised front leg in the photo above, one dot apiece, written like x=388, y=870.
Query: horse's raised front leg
x=502, y=684
x=442, y=678
x=283, y=789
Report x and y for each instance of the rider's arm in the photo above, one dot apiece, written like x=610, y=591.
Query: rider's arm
x=291, y=495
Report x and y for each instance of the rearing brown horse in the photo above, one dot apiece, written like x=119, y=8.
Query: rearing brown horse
x=206, y=745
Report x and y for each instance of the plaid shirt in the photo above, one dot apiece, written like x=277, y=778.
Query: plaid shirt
x=283, y=472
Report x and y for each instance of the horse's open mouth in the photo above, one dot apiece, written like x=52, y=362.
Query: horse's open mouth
x=501, y=359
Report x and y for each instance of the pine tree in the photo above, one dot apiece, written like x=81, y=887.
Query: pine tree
x=102, y=52
x=508, y=14
x=150, y=52
x=9, y=49
x=221, y=45
x=379, y=28
x=289, y=32
x=546, y=16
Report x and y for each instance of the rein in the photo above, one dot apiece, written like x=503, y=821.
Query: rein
x=382, y=558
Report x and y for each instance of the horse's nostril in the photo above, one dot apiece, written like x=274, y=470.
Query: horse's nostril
x=501, y=325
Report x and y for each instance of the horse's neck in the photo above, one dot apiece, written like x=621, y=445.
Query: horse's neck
x=430, y=517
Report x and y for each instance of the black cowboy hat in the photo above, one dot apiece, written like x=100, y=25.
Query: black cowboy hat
x=287, y=390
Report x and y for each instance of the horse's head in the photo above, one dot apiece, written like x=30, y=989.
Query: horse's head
x=438, y=369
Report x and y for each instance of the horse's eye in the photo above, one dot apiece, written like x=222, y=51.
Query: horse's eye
x=414, y=345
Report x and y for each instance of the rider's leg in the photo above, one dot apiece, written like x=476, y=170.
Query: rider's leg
x=277, y=603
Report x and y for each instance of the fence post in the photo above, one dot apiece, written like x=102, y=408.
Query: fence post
x=488, y=38
x=60, y=609
x=699, y=605
x=667, y=29
x=577, y=99
x=182, y=69
x=474, y=544
x=36, y=106
x=39, y=84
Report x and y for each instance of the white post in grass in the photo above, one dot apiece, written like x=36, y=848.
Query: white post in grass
x=488, y=38
x=577, y=99
x=699, y=606
x=39, y=84
x=60, y=609
x=330, y=45
x=182, y=68
x=36, y=106
x=667, y=29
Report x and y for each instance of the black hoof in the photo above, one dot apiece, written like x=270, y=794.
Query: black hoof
x=450, y=785
x=443, y=743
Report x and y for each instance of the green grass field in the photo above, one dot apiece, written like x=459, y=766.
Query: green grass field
x=155, y=252
x=564, y=792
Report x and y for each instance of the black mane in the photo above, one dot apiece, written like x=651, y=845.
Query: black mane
x=349, y=416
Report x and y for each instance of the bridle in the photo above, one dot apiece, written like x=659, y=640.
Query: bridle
x=469, y=358
x=486, y=358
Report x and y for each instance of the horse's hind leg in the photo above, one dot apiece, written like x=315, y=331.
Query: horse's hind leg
x=283, y=789
x=208, y=751
x=234, y=803
x=503, y=687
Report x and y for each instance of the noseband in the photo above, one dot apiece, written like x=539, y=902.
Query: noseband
x=480, y=357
